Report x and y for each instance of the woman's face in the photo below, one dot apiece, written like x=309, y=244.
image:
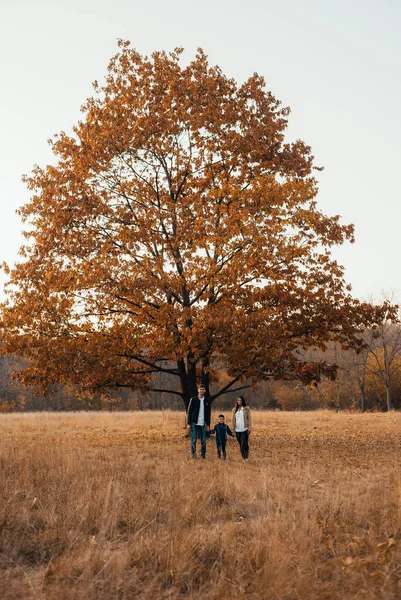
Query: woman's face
x=239, y=401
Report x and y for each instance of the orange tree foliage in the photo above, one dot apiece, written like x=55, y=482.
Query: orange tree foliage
x=177, y=233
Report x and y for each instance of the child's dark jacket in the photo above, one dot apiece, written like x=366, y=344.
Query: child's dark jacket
x=221, y=430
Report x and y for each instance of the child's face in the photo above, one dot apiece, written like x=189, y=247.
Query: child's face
x=221, y=419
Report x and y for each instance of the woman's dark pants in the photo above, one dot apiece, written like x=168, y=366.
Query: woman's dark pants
x=242, y=439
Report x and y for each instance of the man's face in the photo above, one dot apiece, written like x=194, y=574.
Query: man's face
x=201, y=391
x=221, y=419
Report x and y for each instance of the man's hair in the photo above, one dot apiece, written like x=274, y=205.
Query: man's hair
x=221, y=416
x=201, y=386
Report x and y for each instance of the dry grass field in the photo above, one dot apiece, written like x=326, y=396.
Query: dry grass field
x=110, y=506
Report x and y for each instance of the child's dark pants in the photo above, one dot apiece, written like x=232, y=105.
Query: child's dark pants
x=221, y=449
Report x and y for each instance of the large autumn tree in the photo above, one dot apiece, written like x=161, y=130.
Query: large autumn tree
x=177, y=232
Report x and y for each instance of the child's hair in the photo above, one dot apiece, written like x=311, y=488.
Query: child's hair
x=221, y=416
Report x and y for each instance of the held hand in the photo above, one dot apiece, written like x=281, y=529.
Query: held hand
x=249, y=431
x=207, y=428
x=188, y=426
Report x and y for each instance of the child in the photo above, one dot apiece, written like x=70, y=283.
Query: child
x=221, y=430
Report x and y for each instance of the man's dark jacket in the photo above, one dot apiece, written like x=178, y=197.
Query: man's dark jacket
x=193, y=410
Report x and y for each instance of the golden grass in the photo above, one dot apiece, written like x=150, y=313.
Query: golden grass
x=101, y=506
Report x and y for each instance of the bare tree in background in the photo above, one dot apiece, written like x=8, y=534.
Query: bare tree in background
x=359, y=367
x=383, y=344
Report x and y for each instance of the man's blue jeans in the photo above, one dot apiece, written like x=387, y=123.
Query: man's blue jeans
x=198, y=430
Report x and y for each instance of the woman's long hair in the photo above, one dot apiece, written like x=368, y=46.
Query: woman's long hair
x=236, y=403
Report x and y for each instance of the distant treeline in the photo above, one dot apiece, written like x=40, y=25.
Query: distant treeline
x=360, y=384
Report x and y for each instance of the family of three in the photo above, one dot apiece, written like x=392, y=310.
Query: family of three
x=198, y=423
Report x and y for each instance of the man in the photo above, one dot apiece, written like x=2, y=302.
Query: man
x=198, y=420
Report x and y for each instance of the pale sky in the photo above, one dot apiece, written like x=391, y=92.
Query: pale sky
x=337, y=65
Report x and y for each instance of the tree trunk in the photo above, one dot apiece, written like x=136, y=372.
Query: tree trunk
x=187, y=379
x=363, y=402
x=388, y=397
x=186, y=394
x=205, y=376
x=191, y=374
x=186, y=397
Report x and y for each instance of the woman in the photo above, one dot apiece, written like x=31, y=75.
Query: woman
x=242, y=425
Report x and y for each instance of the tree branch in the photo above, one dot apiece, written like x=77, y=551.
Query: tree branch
x=227, y=387
x=244, y=387
x=153, y=365
x=162, y=391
